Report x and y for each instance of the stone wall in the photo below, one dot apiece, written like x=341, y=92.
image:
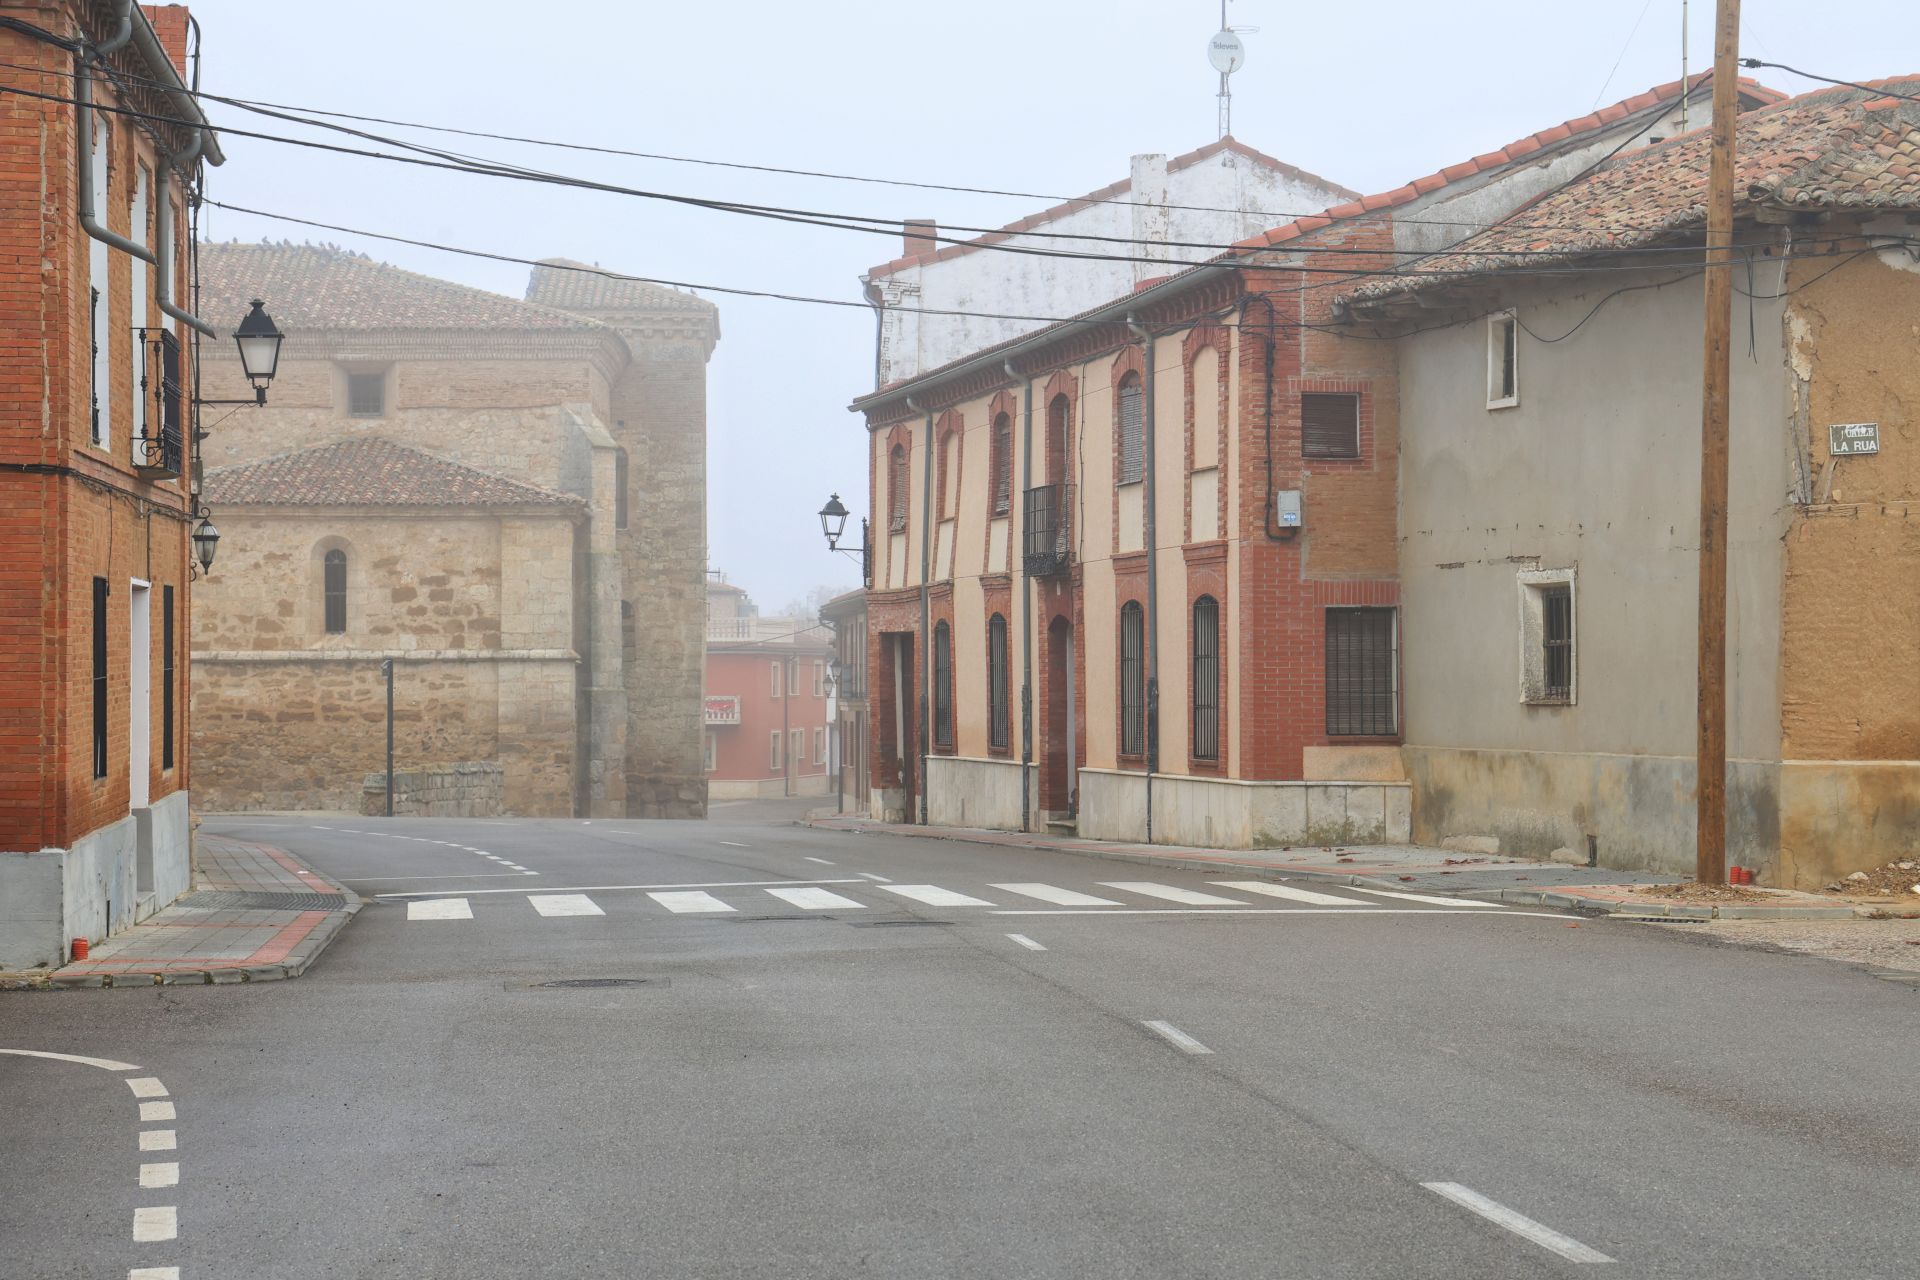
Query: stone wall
x=469, y=789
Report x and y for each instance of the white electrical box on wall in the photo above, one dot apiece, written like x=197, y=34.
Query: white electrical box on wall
x=1286, y=508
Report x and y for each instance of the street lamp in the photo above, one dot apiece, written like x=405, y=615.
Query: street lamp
x=206, y=539
x=259, y=341
x=833, y=521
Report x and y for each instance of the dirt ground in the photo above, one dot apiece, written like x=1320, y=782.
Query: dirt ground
x=1883, y=944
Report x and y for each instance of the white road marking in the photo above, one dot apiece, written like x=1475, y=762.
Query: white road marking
x=152, y=1111
x=1026, y=942
x=529, y=873
x=440, y=909
x=934, y=896
x=1284, y=891
x=105, y=1064
x=159, y=1222
x=612, y=888
x=1521, y=1225
x=1425, y=897
x=1058, y=896
x=154, y=1273
x=687, y=900
x=1269, y=911
x=1148, y=889
x=735, y=844
x=1178, y=1037
x=158, y=1140
x=822, y=861
x=477, y=875
x=564, y=904
x=815, y=899
x=147, y=1087
x=879, y=879
x=514, y=865
x=159, y=1175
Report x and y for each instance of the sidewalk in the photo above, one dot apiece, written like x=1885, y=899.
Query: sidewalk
x=255, y=914
x=1427, y=869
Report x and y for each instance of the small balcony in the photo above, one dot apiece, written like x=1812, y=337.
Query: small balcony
x=1048, y=524
x=160, y=452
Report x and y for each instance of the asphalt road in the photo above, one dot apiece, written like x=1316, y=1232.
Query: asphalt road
x=893, y=1085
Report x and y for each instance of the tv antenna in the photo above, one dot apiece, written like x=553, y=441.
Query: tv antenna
x=1227, y=54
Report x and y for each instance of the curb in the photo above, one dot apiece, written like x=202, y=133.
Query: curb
x=305, y=953
x=1521, y=897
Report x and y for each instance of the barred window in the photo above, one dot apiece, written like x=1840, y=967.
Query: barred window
x=998, y=730
x=942, y=685
x=166, y=677
x=367, y=395
x=335, y=590
x=1329, y=426
x=1556, y=643
x=1206, y=678
x=1133, y=431
x=1133, y=680
x=1002, y=465
x=1361, y=673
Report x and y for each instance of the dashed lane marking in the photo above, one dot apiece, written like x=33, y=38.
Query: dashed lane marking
x=165, y=1174
x=868, y=875
x=156, y=1222
x=158, y=1140
x=564, y=904
x=147, y=1087
x=735, y=844
x=154, y=1273
x=822, y=861
x=155, y=1111
x=1175, y=1036
x=1518, y=1223
x=1026, y=942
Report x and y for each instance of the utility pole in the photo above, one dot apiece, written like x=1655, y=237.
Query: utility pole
x=386, y=669
x=1710, y=764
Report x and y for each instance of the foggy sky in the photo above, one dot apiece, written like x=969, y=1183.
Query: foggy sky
x=1050, y=98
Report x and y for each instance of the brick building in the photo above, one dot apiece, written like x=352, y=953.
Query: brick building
x=1169, y=527
x=95, y=507
x=503, y=496
x=767, y=703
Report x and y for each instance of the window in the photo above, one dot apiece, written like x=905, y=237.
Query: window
x=1329, y=426
x=620, y=487
x=1133, y=431
x=776, y=678
x=820, y=746
x=798, y=752
x=1548, y=665
x=1206, y=678
x=897, y=489
x=773, y=749
x=367, y=394
x=98, y=430
x=1133, y=680
x=942, y=685
x=948, y=476
x=99, y=280
x=99, y=677
x=713, y=751
x=1361, y=698
x=819, y=679
x=1059, y=417
x=998, y=730
x=335, y=591
x=1002, y=465
x=166, y=677
x=1503, y=361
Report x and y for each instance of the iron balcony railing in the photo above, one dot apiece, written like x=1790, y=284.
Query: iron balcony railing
x=161, y=448
x=1048, y=525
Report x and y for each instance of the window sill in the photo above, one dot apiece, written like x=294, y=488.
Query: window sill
x=1513, y=403
x=1548, y=702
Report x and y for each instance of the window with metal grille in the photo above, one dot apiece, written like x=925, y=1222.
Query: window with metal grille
x=942, y=685
x=98, y=431
x=1206, y=678
x=773, y=749
x=1002, y=465
x=897, y=489
x=1361, y=673
x=1329, y=426
x=1133, y=431
x=166, y=677
x=100, y=677
x=1556, y=643
x=367, y=394
x=1133, y=679
x=1503, y=361
x=334, y=590
x=998, y=730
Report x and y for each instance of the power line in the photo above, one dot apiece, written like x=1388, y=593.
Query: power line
x=1756, y=64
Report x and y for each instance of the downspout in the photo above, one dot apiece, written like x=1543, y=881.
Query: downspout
x=83, y=130
x=1153, y=577
x=926, y=567
x=879, y=305
x=1026, y=605
x=163, y=234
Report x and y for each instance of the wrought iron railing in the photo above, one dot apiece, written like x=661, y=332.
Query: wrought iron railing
x=161, y=448
x=1048, y=525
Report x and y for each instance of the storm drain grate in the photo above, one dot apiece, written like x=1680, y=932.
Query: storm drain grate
x=234, y=900
x=776, y=919
x=896, y=924
x=597, y=982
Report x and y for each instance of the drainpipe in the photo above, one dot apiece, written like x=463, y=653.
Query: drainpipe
x=1153, y=577
x=926, y=568
x=83, y=142
x=163, y=233
x=1026, y=603
x=879, y=305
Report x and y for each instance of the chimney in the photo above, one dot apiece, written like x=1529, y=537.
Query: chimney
x=917, y=239
x=170, y=23
x=1148, y=192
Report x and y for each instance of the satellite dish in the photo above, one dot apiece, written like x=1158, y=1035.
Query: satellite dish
x=1226, y=53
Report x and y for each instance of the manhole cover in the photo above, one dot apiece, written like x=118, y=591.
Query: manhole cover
x=597, y=982
x=233, y=900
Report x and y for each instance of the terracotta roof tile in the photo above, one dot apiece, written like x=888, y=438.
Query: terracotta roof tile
x=568, y=285
x=371, y=473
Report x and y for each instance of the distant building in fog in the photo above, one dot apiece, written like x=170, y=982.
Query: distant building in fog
x=767, y=700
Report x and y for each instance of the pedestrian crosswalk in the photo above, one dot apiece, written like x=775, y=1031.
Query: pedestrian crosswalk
x=1119, y=897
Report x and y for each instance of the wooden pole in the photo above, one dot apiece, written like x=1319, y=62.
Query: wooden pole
x=1710, y=848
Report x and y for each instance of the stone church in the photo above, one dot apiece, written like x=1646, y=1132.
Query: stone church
x=505, y=497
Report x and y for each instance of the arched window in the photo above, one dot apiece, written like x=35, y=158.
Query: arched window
x=947, y=478
x=998, y=731
x=334, y=588
x=1133, y=431
x=1133, y=680
x=897, y=489
x=942, y=685
x=1002, y=464
x=1206, y=678
x=1059, y=414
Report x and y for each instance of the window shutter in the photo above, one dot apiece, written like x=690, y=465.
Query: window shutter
x=1329, y=426
x=1133, y=431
